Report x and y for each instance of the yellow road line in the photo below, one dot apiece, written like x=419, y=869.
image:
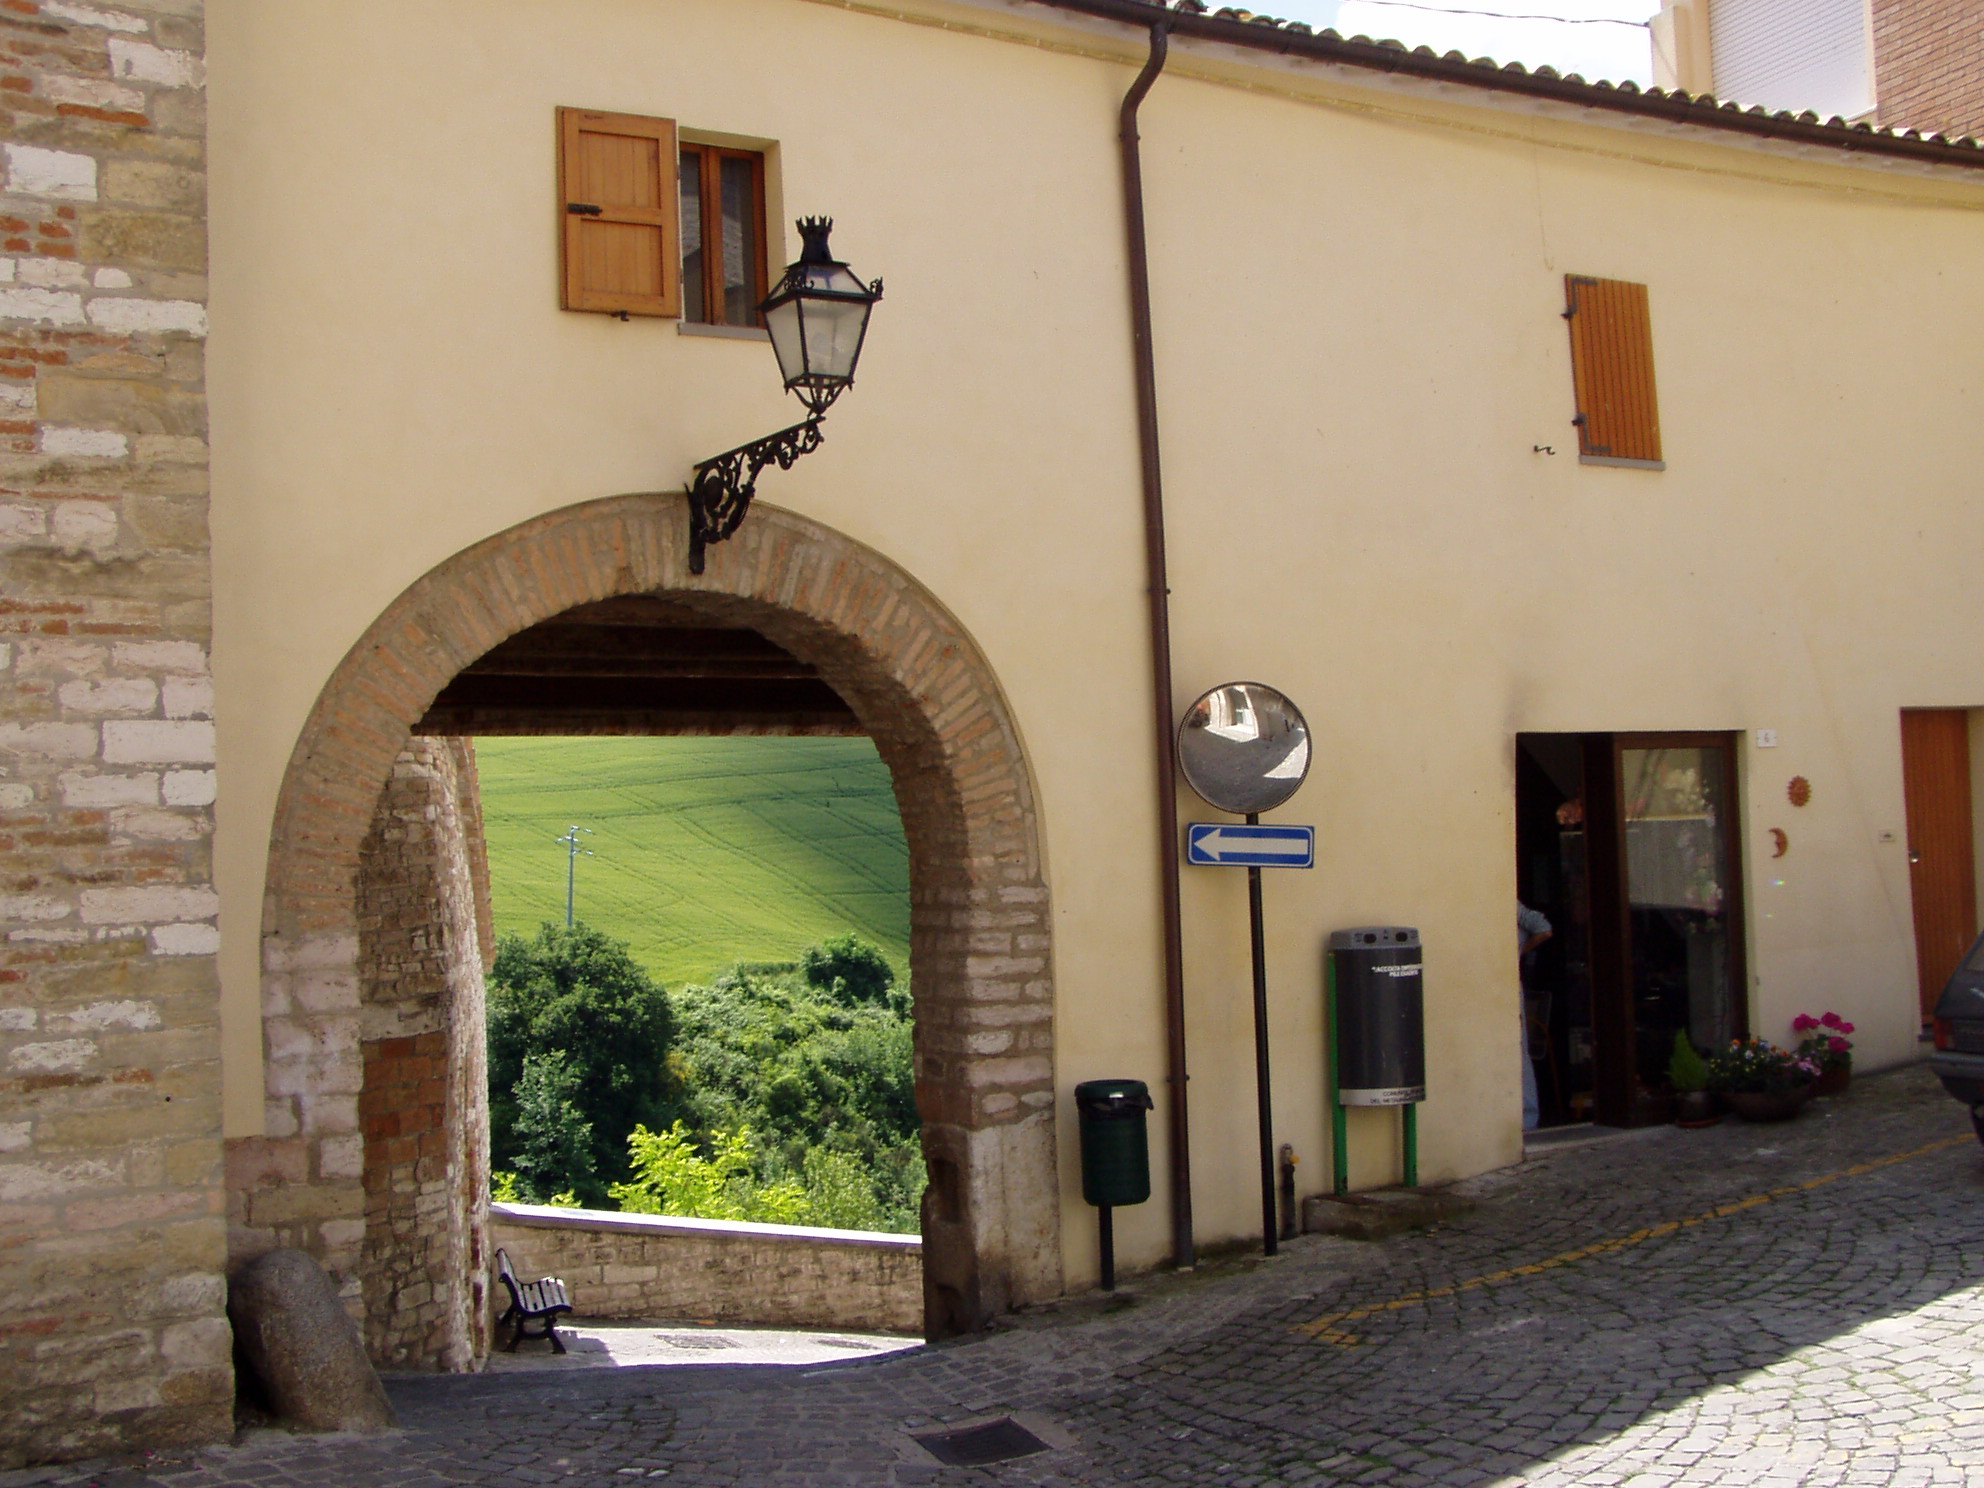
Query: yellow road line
x=1327, y=1329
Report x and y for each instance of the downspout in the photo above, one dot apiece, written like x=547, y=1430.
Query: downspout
x=1183, y=1251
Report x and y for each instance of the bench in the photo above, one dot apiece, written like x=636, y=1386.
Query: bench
x=531, y=1301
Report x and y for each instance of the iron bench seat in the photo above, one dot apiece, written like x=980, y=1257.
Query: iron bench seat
x=531, y=1301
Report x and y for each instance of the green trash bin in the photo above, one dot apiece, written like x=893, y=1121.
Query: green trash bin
x=1115, y=1142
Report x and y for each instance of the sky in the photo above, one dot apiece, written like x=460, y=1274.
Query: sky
x=1581, y=41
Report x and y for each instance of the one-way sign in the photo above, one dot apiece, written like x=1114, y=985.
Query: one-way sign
x=1217, y=844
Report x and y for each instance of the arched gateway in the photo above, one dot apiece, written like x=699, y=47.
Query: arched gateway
x=371, y=1000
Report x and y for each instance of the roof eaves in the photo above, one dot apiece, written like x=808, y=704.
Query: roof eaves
x=1235, y=27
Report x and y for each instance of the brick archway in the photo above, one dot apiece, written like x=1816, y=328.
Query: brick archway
x=980, y=922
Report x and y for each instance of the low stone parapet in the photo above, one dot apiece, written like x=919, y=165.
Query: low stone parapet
x=656, y=1266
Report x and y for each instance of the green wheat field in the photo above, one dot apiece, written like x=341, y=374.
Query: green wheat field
x=706, y=851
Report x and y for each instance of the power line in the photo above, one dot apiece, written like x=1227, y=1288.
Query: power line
x=1501, y=15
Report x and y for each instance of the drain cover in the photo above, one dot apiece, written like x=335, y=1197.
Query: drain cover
x=974, y=1446
x=697, y=1341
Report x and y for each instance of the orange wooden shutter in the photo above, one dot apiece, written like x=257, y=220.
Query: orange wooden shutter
x=1612, y=370
x=627, y=254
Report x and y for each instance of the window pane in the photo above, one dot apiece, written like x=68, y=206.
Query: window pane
x=740, y=242
x=695, y=304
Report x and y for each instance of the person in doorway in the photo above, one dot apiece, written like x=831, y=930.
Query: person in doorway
x=1532, y=929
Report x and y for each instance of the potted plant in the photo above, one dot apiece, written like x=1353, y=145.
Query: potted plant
x=1824, y=1041
x=1687, y=1072
x=1761, y=1082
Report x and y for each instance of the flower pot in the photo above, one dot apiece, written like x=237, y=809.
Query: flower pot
x=1759, y=1105
x=1696, y=1108
x=1834, y=1081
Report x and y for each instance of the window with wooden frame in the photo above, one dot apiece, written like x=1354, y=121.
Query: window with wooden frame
x=723, y=235
x=657, y=226
x=1618, y=415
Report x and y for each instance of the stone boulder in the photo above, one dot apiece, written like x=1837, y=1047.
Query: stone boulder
x=302, y=1346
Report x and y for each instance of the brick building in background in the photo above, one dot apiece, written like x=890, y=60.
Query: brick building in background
x=1902, y=64
x=1929, y=65
x=111, y=1211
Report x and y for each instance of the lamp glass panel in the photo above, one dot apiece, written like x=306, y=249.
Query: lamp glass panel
x=787, y=344
x=833, y=337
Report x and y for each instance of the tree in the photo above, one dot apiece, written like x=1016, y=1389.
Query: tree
x=553, y=1141
x=672, y=1177
x=850, y=970
x=576, y=991
x=816, y=1063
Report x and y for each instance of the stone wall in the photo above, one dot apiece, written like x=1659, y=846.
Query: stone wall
x=111, y=1234
x=424, y=1108
x=376, y=1159
x=648, y=1266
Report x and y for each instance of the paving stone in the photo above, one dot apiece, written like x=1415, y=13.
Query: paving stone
x=1825, y=1337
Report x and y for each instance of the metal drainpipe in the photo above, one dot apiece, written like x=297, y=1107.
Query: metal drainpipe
x=1183, y=1251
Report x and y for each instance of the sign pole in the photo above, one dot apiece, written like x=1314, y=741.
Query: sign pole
x=1269, y=1229
x=1245, y=749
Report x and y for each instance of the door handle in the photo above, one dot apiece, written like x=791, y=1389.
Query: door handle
x=1914, y=856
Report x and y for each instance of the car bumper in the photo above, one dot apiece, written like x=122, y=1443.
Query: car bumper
x=1962, y=1075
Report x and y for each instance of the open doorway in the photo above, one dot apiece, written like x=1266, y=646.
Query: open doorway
x=752, y=894
x=1628, y=844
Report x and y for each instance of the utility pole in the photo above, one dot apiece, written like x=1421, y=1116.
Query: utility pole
x=571, y=841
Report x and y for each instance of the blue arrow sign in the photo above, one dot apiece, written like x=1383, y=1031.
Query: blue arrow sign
x=1215, y=844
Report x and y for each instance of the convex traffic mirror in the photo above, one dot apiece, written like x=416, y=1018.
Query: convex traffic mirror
x=1244, y=747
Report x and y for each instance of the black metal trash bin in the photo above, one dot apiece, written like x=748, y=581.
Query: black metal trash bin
x=1380, y=1016
x=1115, y=1142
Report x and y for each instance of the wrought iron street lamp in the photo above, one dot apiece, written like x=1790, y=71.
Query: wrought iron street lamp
x=818, y=317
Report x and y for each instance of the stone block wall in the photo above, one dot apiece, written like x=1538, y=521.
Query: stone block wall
x=111, y=1233
x=376, y=1156
x=651, y=1266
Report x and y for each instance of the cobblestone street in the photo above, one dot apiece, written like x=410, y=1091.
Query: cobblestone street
x=1748, y=1304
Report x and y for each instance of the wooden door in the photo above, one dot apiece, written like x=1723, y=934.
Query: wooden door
x=1942, y=856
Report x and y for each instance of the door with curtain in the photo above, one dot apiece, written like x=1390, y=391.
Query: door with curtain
x=1671, y=957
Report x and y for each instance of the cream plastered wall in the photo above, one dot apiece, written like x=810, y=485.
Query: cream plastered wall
x=1357, y=293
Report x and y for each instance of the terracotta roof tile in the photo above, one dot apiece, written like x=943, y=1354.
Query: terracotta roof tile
x=1189, y=18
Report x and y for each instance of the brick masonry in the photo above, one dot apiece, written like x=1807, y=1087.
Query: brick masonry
x=1929, y=65
x=376, y=1154
x=111, y=1196
x=423, y=1109
x=642, y=1266
x=980, y=920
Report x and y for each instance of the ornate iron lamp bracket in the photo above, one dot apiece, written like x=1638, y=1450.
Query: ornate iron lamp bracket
x=721, y=493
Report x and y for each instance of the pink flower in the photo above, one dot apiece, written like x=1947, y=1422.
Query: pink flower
x=1843, y=1027
x=1830, y=1020
x=1838, y=1045
x=1806, y=1021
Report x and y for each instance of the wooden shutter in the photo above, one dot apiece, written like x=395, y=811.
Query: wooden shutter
x=1612, y=371
x=617, y=198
